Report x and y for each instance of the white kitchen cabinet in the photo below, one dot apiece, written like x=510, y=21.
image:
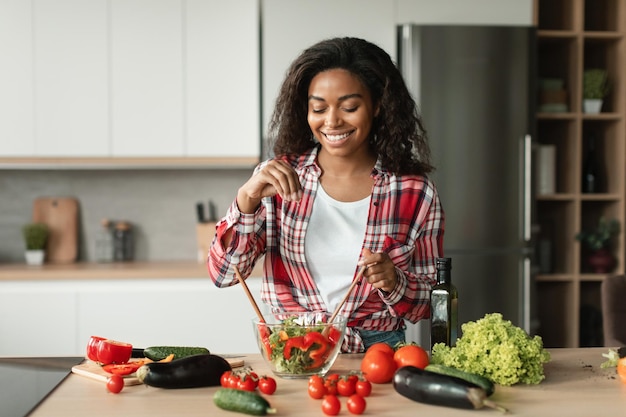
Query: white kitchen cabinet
x=16, y=78
x=70, y=77
x=58, y=317
x=147, y=78
x=222, y=78
x=291, y=26
x=37, y=319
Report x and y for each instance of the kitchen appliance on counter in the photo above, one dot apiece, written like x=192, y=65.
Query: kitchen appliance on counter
x=475, y=87
x=28, y=381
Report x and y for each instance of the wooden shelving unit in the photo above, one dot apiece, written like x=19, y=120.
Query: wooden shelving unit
x=574, y=35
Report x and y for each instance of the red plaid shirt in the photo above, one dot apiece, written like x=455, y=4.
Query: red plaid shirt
x=405, y=220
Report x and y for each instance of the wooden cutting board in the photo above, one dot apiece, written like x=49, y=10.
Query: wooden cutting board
x=94, y=371
x=61, y=216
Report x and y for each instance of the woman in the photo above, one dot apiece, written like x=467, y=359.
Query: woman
x=348, y=188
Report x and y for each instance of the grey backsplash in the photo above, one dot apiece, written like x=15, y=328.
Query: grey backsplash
x=160, y=204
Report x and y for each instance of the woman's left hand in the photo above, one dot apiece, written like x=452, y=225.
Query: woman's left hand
x=380, y=271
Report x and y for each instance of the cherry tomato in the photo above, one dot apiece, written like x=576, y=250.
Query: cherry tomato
x=363, y=388
x=122, y=369
x=233, y=380
x=224, y=379
x=412, y=355
x=331, y=386
x=346, y=386
x=92, y=347
x=254, y=376
x=317, y=390
x=378, y=367
x=621, y=369
x=115, y=384
x=331, y=405
x=246, y=384
x=356, y=404
x=267, y=385
x=315, y=379
x=112, y=351
x=381, y=346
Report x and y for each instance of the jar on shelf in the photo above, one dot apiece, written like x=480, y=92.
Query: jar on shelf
x=104, y=242
x=122, y=241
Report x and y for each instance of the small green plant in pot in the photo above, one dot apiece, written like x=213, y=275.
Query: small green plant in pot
x=598, y=242
x=36, y=238
x=595, y=88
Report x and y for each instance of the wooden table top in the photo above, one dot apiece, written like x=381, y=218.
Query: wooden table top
x=575, y=385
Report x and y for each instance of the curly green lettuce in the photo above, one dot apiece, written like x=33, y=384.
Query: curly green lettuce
x=497, y=350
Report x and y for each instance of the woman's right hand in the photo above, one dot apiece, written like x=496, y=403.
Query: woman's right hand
x=277, y=177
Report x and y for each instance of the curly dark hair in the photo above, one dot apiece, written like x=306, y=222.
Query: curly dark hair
x=398, y=135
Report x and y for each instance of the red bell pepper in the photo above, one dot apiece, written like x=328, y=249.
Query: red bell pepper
x=313, y=343
x=264, y=334
x=317, y=354
x=293, y=343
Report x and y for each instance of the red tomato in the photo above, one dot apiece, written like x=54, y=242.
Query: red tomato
x=411, y=355
x=115, y=384
x=363, y=388
x=331, y=386
x=92, y=347
x=267, y=385
x=224, y=379
x=233, y=380
x=346, y=386
x=122, y=369
x=317, y=390
x=246, y=384
x=356, y=404
x=316, y=379
x=378, y=367
x=112, y=351
x=331, y=405
x=254, y=376
x=381, y=346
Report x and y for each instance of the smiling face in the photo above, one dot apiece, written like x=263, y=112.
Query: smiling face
x=340, y=113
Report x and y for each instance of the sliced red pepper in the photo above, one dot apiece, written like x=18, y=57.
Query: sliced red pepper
x=264, y=333
x=334, y=336
x=293, y=343
x=317, y=354
x=123, y=368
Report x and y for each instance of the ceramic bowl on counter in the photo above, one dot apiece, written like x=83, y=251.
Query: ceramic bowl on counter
x=298, y=345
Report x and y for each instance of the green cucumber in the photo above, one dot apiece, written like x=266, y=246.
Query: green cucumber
x=240, y=401
x=158, y=353
x=475, y=379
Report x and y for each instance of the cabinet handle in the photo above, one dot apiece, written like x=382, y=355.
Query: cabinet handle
x=527, y=175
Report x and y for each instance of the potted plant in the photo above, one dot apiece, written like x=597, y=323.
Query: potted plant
x=598, y=242
x=595, y=88
x=36, y=239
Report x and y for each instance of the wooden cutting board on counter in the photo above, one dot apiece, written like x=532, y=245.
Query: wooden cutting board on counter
x=61, y=216
x=94, y=371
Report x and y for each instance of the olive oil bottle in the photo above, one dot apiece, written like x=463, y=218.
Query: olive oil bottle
x=443, y=306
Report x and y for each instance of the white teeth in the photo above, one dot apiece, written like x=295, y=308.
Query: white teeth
x=334, y=138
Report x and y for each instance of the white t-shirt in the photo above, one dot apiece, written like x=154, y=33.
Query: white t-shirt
x=333, y=243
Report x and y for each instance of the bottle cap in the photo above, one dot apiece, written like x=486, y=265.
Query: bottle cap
x=444, y=263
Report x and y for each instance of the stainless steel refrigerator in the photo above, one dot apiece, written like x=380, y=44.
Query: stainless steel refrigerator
x=475, y=89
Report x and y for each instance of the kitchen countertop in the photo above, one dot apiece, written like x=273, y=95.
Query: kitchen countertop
x=115, y=270
x=574, y=386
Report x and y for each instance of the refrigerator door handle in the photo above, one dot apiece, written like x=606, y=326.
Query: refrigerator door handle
x=527, y=175
x=526, y=295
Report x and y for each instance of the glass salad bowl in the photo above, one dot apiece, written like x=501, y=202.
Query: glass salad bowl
x=300, y=344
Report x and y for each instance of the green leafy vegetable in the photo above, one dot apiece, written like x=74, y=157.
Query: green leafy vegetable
x=497, y=350
x=612, y=358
